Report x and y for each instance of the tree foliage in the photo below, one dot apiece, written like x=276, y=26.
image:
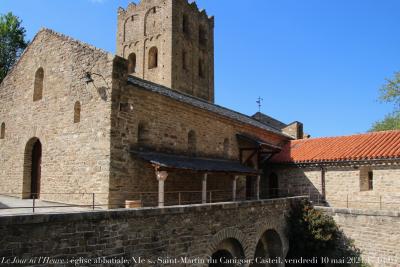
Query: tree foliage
x=390, y=93
x=390, y=122
x=315, y=234
x=12, y=42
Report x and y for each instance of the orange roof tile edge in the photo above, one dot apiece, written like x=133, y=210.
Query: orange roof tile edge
x=374, y=145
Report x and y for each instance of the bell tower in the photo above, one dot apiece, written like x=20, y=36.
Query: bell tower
x=169, y=42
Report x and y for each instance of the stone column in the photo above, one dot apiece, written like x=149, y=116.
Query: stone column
x=258, y=187
x=161, y=177
x=204, y=189
x=234, y=187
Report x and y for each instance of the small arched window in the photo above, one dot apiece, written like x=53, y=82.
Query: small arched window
x=3, y=131
x=153, y=57
x=192, y=142
x=226, y=147
x=77, y=112
x=185, y=24
x=132, y=63
x=38, y=85
x=201, y=68
x=202, y=35
x=142, y=134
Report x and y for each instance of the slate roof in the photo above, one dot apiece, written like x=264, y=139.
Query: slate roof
x=369, y=146
x=171, y=161
x=257, y=142
x=268, y=120
x=202, y=104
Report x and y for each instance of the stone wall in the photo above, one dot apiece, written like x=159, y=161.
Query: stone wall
x=166, y=124
x=344, y=185
x=75, y=156
x=160, y=24
x=192, y=231
x=375, y=233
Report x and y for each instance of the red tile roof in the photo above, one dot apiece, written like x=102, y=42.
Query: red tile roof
x=375, y=145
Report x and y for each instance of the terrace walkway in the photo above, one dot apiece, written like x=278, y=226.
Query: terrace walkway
x=13, y=205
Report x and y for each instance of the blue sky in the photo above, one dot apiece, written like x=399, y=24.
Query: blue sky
x=318, y=62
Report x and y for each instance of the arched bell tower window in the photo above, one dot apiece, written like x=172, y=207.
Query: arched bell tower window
x=38, y=85
x=3, y=131
x=153, y=57
x=185, y=24
x=77, y=112
x=202, y=35
x=192, y=142
x=132, y=63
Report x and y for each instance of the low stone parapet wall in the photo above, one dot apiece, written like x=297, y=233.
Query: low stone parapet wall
x=376, y=233
x=148, y=234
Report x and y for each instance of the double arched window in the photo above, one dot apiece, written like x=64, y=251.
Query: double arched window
x=38, y=85
x=153, y=57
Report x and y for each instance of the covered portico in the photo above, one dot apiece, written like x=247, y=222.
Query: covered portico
x=164, y=164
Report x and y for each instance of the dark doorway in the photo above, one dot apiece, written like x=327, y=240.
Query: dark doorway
x=273, y=185
x=36, y=169
x=250, y=187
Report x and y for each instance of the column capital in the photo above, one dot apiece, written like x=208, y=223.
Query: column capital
x=161, y=175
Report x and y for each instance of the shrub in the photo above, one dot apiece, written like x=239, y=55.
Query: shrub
x=315, y=235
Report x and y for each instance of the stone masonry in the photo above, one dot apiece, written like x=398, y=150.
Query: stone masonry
x=75, y=155
x=344, y=185
x=87, y=114
x=183, y=37
x=375, y=233
x=187, y=231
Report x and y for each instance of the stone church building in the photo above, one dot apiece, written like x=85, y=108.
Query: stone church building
x=142, y=125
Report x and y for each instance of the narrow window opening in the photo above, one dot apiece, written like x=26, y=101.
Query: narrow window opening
x=192, y=142
x=370, y=180
x=202, y=36
x=77, y=112
x=38, y=85
x=132, y=63
x=3, y=131
x=185, y=24
x=142, y=135
x=201, y=68
x=153, y=57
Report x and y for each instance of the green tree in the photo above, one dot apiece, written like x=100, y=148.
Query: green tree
x=12, y=42
x=314, y=234
x=390, y=93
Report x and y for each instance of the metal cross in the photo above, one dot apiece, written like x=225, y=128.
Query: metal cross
x=259, y=102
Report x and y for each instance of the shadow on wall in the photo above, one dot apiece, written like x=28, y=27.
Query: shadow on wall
x=279, y=182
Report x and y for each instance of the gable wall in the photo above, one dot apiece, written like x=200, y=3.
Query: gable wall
x=75, y=156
